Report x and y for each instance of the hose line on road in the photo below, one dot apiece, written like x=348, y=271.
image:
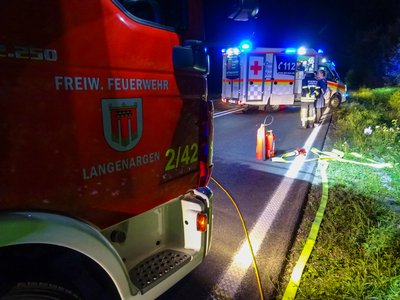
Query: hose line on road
x=291, y=289
x=247, y=237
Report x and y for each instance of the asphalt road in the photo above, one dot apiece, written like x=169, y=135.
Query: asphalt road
x=270, y=197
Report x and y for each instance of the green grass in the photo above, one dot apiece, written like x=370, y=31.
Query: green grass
x=357, y=252
x=358, y=248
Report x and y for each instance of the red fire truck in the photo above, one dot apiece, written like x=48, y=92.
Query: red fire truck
x=106, y=147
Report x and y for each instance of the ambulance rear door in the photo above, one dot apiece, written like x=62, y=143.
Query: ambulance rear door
x=254, y=83
x=232, y=83
x=284, y=69
x=268, y=75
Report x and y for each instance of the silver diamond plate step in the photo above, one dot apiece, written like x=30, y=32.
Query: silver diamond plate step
x=146, y=274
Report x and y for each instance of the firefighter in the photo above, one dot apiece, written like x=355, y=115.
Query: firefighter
x=309, y=93
x=320, y=103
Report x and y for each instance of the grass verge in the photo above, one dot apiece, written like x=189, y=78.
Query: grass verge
x=357, y=253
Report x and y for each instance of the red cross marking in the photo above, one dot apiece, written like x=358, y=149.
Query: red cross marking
x=255, y=68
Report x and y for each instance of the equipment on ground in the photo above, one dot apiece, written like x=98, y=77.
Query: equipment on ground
x=265, y=147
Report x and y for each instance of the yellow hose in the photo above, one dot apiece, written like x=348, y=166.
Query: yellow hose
x=247, y=237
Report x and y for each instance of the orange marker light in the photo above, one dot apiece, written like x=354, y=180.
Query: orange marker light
x=201, y=222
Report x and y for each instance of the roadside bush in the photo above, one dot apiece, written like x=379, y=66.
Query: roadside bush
x=370, y=123
x=350, y=123
x=394, y=103
x=385, y=139
x=375, y=99
x=362, y=94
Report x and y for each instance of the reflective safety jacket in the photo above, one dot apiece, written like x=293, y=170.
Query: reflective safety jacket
x=310, y=90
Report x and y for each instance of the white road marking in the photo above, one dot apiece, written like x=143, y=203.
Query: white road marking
x=230, y=280
x=226, y=112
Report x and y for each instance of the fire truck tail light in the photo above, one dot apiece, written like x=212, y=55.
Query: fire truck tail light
x=201, y=222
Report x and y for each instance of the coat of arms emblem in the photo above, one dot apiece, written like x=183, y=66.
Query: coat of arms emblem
x=122, y=122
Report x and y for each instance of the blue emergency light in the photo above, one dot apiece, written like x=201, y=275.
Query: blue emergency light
x=290, y=51
x=245, y=45
x=320, y=51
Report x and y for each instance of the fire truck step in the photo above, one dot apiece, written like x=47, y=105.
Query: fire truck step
x=147, y=273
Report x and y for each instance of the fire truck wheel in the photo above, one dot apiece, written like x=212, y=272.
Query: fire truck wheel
x=334, y=102
x=38, y=291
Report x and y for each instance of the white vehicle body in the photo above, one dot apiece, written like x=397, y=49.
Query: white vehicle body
x=273, y=76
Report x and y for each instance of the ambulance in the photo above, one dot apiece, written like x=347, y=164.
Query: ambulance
x=106, y=147
x=265, y=78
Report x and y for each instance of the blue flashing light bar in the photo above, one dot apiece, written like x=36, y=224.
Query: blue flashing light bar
x=245, y=45
x=223, y=50
x=320, y=51
x=290, y=51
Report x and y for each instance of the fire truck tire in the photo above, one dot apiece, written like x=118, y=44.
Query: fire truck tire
x=334, y=102
x=36, y=271
x=39, y=291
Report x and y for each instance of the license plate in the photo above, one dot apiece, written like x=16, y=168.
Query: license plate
x=232, y=101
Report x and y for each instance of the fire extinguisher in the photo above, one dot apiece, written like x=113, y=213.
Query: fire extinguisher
x=265, y=147
x=269, y=144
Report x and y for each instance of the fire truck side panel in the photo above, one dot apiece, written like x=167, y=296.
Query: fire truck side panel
x=65, y=114
x=101, y=134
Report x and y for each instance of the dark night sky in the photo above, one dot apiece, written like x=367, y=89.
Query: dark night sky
x=330, y=25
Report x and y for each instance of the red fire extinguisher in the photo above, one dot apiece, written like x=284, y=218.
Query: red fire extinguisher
x=265, y=147
x=269, y=144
